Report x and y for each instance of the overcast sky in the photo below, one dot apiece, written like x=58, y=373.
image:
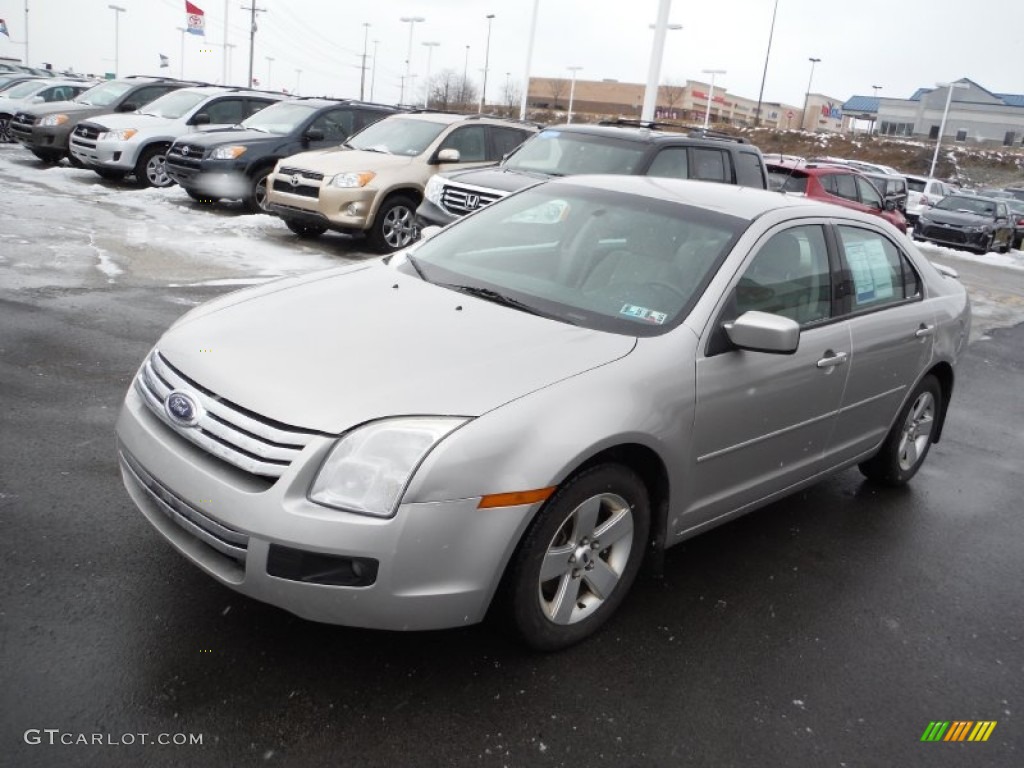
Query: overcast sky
x=898, y=44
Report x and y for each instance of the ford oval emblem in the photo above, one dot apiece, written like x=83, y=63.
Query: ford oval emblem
x=182, y=408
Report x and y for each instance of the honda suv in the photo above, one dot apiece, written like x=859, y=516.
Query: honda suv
x=117, y=145
x=638, y=149
x=45, y=128
x=374, y=181
x=234, y=164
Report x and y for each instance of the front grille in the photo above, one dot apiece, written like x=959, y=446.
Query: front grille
x=222, y=538
x=945, y=233
x=22, y=123
x=87, y=131
x=463, y=200
x=303, y=190
x=191, y=159
x=311, y=175
x=233, y=434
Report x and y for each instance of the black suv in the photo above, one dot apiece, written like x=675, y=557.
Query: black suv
x=45, y=128
x=234, y=164
x=622, y=147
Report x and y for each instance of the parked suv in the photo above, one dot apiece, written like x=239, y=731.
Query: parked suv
x=117, y=145
x=235, y=164
x=29, y=92
x=374, y=182
x=837, y=184
x=45, y=128
x=923, y=192
x=563, y=150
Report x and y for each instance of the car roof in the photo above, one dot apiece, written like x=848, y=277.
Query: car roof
x=216, y=90
x=812, y=169
x=449, y=118
x=647, y=134
x=743, y=202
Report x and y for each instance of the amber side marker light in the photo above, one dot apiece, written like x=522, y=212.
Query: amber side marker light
x=515, y=498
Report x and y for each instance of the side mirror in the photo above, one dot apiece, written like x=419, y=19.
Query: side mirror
x=428, y=232
x=201, y=119
x=764, y=332
x=448, y=156
x=889, y=204
x=313, y=134
x=37, y=100
x=128, y=106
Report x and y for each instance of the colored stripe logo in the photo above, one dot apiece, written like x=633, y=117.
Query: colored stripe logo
x=958, y=730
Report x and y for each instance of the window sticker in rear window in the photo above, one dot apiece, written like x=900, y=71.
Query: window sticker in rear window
x=872, y=275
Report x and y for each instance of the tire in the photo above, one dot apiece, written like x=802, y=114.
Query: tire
x=150, y=170
x=1018, y=243
x=394, y=226
x=48, y=156
x=578, y=558
x=987, y=247
x=910, y=438
x=1005, y=247
x=5, y=130
x=110, y=175
x=199, y=198
x=75, y=162
x=256, y=201
x=305, y=230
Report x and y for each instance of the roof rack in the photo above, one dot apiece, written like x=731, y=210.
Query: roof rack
x=636, y=123
x=706, y=133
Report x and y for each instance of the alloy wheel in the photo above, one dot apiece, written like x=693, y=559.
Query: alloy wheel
x=917, y=431
x=399, y=227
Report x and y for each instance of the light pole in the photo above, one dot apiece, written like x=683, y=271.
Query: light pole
x=711, y=96
x=181, y=58
x=876, y=89
x=430, y=50
x=270, y=66
x=807, y=96
x=373, y=74
x=298, y=77
x=362, y=72
x=411, y=21
x=942, y=125
x=465, y=74
x=670, y=28
x=529, y=59
x=487, y=62
x=572, y=91
x=654, y=69
x=26, y=35
x=764, y=75
x=118, y=10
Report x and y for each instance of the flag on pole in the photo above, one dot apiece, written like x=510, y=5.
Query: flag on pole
x=164, y=61
x=3, y=29
x=196, y=19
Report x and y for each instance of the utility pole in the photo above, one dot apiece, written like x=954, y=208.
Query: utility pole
x=181, y=58
x=362, y=74
x=224, y=60
x=373, y=74
x=487, y=64
x=26, y=35
x=253, y=10
x=270, y=64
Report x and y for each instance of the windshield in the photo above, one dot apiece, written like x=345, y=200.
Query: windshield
x=103, y=95
x=21, y=90
x=398, y=136
x=606, y=260
x=783, y=180
x=556, y=153
x=280, y=118
x=174, y=104
x=967, y=205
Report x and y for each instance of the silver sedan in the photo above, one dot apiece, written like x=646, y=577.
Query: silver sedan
x=518, y=409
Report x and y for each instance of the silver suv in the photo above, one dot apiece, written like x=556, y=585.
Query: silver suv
x=117, y=145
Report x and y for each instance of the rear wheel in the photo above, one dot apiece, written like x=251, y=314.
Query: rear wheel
x=394, y=226
x=305, y=230
x=150, y=170
x=579, y=557
x=910, y=438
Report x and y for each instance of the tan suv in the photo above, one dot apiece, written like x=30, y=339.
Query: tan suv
x=373, y=182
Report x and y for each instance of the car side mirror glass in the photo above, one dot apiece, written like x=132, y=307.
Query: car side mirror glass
x=313, y=134
x=764, y=332
x=449, y=156
x=128, y=106
x=890, y=204
x=201, y=119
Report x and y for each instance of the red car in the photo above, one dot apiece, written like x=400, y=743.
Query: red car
x=833, y=184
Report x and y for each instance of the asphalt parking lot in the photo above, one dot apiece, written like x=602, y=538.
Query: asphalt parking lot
x=827, y=629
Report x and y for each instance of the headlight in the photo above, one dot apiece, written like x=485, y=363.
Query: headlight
x=54, y=120
x=434, y=188
x=352, y=180
x=979, y=228
x=124, y=135
x=369, y=468
x=227, y=153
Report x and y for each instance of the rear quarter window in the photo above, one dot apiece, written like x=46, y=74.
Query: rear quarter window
x=749, y=170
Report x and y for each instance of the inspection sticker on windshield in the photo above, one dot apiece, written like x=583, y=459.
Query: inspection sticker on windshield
x=642, y=313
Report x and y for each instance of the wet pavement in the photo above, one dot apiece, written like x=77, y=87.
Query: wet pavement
x=828, y=629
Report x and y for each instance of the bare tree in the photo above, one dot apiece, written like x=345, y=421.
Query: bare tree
x=557, y=86
x=672, y=92
x=444, y=89
x=511, y=96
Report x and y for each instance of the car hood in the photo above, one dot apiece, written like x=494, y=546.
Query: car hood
x=136, y=120
x=344, y=160
x=229, y=136
x=339, y=348
x=65, y=107
x=501, y=179
x=956, y=217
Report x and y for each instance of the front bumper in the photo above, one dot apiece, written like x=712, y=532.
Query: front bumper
x=952, y=236
x=41, y=137
x=114, y=155
x=335, y=207
x=430, y=214
x=214, y=178
x=436, y=565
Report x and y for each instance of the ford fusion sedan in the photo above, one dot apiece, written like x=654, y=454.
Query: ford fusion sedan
x=979, y=224
x=517, y=410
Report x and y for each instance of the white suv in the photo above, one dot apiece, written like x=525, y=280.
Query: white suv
x=922, y=194
x=116, y=145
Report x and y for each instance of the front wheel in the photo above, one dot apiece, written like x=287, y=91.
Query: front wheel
x=304, y=230
x=256, y=200
x=48, y=156
x=579, y=557
x=394, y=226
x=150, y=171
x=910, y=438
x=5, y=129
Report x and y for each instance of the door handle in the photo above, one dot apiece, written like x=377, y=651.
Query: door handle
x=924, y=330
x=832, y=359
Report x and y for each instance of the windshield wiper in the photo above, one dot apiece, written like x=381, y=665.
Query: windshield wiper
x=489, y=294
x=412, y=261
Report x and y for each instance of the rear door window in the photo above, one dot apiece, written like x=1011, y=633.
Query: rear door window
x=671, y=163
x=710, y=165
x=868, y=194
x=225, y=111
x=880, y=273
